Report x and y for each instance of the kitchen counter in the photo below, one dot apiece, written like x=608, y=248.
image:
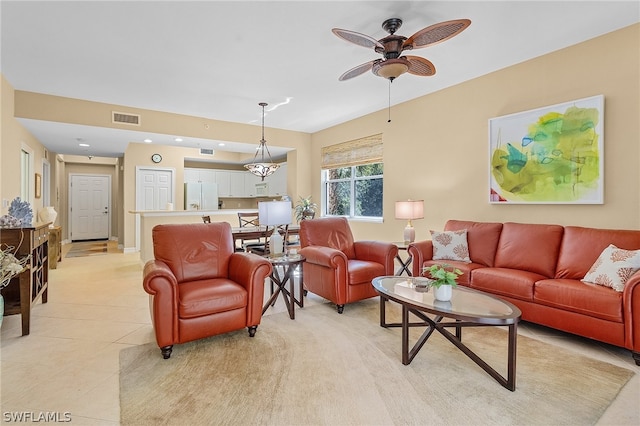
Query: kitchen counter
x=151, y=218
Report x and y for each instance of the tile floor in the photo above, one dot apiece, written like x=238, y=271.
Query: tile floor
x=69, y=362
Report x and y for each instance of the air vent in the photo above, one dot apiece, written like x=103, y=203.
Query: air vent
x=206, y=151
x=45, y=154
x=124, y=118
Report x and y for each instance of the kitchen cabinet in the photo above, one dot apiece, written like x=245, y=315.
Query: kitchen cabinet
x=224, y=183
x=278, y=181
x=250, y=181
x=239, y=183
x=236, y=183
x=193, y=175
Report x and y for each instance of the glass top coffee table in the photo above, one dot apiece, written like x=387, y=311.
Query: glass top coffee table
x=467, y=308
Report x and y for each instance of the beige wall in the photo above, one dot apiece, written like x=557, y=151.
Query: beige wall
x=436, y=147
x=13, y=135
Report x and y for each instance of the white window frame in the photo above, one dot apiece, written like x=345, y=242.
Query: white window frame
x=353, y=179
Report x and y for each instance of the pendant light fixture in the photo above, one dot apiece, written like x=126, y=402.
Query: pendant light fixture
x=262, y=168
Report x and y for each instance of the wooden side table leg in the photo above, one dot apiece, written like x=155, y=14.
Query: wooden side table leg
x=25, y=301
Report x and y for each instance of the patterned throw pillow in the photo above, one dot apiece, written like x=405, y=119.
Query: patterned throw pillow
x=613, y=267
x=450, y=245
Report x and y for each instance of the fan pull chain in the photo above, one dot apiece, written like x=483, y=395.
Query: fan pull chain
x=389, y=120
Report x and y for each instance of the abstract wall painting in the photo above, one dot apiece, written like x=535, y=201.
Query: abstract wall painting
x=550, y=155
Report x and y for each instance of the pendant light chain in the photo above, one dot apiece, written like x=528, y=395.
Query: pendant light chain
x=389, y=111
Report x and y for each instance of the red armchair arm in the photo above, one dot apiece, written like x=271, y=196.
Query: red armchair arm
x=161, y=284
x=420, y=251
x=377, y=251
x=325, y=256
x=630, y=309
x=250, y=270
x=325, y=272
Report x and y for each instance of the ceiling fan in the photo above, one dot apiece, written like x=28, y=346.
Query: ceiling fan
x=391, y=47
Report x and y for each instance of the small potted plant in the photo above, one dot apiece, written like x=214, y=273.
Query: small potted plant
x=305, y=208
x=444, y=277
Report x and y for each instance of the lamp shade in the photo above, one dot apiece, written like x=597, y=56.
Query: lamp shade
x=274, y=213
x=411, y=209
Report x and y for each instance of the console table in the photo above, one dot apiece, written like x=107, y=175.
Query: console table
x=26, y=288
x=55, y=246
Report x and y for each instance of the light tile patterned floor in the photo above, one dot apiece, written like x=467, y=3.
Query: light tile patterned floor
x=69, y=362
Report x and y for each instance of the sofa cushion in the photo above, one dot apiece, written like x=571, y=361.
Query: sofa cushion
x=529, y=247
x=575, y=296
x=482, y=239
x=581, y=247
x=205, y=297
x=450, y=245
x=505, y=282
x=363, y=271
x=614, y=267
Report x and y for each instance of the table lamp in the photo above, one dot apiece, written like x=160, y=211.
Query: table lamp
x=411, y=209
x=274, y=213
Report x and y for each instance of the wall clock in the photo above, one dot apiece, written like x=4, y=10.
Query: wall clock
x=156, y=158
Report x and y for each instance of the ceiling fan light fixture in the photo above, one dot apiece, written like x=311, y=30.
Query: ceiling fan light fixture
x=262, y=168
x=391, y=68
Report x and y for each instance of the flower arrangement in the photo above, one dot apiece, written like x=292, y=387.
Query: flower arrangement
x=10, y=265
x=442, y=274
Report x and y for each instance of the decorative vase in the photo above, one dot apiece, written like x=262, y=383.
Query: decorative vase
x=443, y=293
x=48, y=214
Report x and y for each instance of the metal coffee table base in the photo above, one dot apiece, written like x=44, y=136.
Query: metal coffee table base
x=436, y=324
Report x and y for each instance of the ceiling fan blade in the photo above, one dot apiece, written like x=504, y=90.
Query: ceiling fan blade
x=360, y=69
x=436, y=33
x=420, y=66
x=357, y=38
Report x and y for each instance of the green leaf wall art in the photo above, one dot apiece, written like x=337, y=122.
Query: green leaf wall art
x=548, y=155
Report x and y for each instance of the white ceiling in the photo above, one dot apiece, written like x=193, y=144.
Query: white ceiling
x=218, y=59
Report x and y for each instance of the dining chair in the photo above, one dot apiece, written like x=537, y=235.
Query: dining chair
x=249, y=220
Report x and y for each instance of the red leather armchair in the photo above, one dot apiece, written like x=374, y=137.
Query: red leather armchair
x=337, y=268
x=199, y=286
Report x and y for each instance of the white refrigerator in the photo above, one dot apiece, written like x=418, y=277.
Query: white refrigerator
x=200, y=196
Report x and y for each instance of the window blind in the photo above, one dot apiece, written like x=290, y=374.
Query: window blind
x=352, y=153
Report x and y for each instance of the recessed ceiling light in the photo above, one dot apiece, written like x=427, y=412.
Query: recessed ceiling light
x=148, y=140
x=178, y=139
x=220, y=144
x=83, y=144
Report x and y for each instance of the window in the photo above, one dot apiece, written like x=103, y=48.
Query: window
x=352, y=178
x=26, y=167
x=354, y=191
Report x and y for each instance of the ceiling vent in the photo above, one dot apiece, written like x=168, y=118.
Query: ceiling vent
x=206, y=151
x=125, y=118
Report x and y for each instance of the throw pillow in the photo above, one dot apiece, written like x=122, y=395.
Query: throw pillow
x=450, y=245
x=613, y=267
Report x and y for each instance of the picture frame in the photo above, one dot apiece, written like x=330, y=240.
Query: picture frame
x=38, y=191
x=548, y=155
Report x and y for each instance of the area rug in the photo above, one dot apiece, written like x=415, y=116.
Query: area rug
x=87, y=248
x=328, y=369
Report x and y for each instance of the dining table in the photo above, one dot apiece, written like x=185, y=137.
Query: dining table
x=258, y=232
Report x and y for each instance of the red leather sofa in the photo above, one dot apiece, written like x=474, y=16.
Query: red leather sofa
x=539, y=269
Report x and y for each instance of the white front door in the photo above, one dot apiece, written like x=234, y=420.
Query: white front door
x=90, y=206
